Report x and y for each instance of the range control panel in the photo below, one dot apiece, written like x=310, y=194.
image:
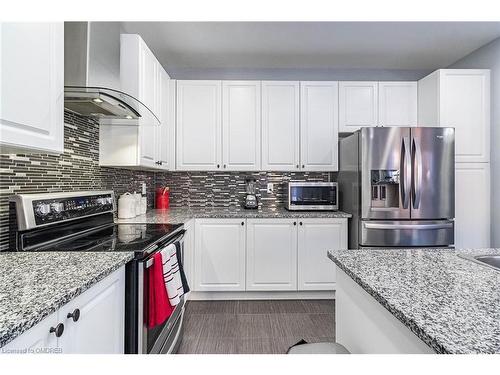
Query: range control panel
x=53, y=210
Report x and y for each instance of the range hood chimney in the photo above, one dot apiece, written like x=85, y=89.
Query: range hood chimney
x=92, y=85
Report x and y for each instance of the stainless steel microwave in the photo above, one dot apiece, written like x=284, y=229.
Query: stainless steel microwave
x=312, y=196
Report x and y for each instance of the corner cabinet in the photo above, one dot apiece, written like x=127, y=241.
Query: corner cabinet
x=219, y=255
x=199, y=125
x=319, y=126
x=459, y=98
x=32, y=87
x=280, y=125
x=271, y=261
x=92, y=323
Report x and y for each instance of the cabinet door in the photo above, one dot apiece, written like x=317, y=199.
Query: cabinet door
x=316, y=236
x=358, y=105
x=472, y=205
x=37, y=339
x=188, y=259
x=100, y=328
x=319, y=126
x=271, y=254
x=397, y=103
x=199, y=133
x=32, y=87
x=166, y=131
x=465, y=106
x=241, y=125
x=280, y=125
x=219, y=255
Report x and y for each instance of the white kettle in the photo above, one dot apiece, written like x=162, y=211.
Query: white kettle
x=126, y=206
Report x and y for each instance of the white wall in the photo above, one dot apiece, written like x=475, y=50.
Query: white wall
x=488, y=57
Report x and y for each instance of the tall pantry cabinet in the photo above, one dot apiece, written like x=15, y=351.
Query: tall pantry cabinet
x=460, y=98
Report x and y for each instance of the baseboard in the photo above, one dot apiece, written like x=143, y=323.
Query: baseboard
x=214, y=296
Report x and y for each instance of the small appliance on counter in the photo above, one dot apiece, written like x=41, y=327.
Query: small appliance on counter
x=251, y=190
x=311, y=196
x=126, y=206
x=162, y=198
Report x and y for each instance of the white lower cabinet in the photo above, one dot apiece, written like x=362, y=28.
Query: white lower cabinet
x=99, y=328
x=219, y=255
x=472, y=205
x=315, y=237
x=271, y=254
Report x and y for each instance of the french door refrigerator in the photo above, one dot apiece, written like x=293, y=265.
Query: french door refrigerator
x=399, y=185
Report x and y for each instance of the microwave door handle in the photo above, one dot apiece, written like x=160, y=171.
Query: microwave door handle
x=416, y=184
x=405, y=178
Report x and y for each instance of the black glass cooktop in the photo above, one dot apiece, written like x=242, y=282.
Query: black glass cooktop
x=115, y=237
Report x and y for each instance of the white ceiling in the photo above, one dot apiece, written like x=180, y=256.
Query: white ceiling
x=313, y=45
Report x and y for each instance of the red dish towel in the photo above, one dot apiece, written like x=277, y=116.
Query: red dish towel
x=158, y=305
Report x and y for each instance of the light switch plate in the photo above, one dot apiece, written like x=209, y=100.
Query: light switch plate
x=270, y=188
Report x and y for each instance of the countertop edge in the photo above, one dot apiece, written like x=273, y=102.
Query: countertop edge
x=399, y=315
x=17, y=330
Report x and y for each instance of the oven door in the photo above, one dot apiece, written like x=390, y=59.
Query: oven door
x=317, y=196
x=166, y=337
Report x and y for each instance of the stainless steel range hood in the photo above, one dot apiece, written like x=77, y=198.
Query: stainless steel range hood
x=92, y=76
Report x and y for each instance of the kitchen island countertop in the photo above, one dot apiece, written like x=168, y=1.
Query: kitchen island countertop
x=452, y=304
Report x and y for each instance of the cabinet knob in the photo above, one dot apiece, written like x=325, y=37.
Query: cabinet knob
x=218, y=165
x=224, y=165
x=297, y=166
x=242, y=223
x=75, y=315
x=300, y=223
x=294, y=223
x=160, y=162
x=303, y=166
x=57, y=330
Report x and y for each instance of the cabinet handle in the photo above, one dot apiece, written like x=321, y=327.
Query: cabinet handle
x=58, y=330
x=160, y=162
x=242, y=223
x=294, y=223
x=75, y=315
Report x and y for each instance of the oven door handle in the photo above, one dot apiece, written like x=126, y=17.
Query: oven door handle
x=149, y=261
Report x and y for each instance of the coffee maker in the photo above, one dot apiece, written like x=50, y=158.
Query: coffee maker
x=251, y=197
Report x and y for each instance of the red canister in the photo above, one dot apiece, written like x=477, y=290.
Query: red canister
x=162, y=198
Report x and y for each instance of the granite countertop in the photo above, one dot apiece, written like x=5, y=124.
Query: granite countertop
x=34, y=285
x=182, y=215
x=450, y=303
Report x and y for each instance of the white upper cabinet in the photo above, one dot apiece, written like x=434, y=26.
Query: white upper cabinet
x=32, y=87
x=280, y=125
x=199, y=125
x=271, y=254
x=319, y=126
x=397, y=103
x=241, y=125
x=358, y=105
x=459, y=98
x=219, y=255
x=139, y=71
x=166, y=132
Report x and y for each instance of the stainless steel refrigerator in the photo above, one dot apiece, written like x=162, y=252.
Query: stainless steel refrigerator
x=399, y=185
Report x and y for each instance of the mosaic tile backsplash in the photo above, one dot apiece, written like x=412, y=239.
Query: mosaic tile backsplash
x=78, y=169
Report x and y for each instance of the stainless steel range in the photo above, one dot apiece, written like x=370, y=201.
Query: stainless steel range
x=83, y=221
x=399, y=185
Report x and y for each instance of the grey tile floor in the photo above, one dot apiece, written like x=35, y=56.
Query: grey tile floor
x=255, y=327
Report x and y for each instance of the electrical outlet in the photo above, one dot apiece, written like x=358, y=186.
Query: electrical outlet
x=270, y=188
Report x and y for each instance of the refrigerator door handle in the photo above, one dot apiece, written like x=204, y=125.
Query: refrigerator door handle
x=408, y=226
x=405, y=172
x=416, y=168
